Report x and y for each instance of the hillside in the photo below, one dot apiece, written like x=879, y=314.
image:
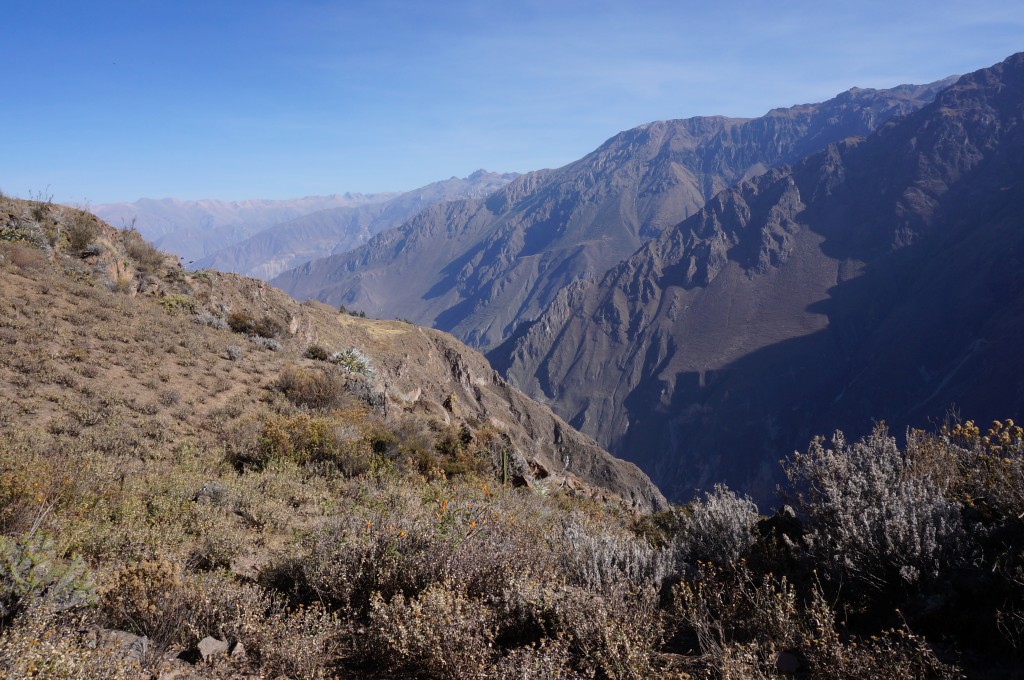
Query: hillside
x=476, y=268
x=880, y=276
x=415, y=370
x=340, y=229
x=200, y=428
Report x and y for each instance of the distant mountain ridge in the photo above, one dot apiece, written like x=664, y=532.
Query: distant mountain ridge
x=194, y=229
x=339, y=229
x=477, y=268
x=877, y=277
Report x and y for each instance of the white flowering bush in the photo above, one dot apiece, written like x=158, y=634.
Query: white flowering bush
x=719, y=529
x=874, y=520
x=598, y=560
x=354, y=361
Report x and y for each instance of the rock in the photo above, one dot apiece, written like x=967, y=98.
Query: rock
x=210, y=646
x=211, y=491
x=123, y=644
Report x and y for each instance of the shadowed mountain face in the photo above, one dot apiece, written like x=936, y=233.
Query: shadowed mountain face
x=339, y=229
x=476, y=268
x=880, y=278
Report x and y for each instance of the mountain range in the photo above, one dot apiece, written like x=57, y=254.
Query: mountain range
x=879, y=277
x=195, y=229
x=478, y=267
x=695, y=285
x=263, y=238
x=338, y=229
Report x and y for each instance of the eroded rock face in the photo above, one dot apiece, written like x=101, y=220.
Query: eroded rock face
x=878, y=278
x=477, y=268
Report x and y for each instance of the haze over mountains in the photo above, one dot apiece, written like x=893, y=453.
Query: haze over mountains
x=194, y=229
x=339, y=229
x=262, y=238
x=478, y=267
x=879, y=278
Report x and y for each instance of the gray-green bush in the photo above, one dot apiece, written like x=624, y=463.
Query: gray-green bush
x=875, y=522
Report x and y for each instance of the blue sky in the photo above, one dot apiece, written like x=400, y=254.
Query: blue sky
x=112, y=101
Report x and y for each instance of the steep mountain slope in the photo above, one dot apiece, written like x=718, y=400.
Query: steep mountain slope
x=195, y=229
x=880, y=276
x=337, y=230
x=476, y=268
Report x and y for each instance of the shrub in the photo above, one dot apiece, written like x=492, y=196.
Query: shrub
x=146, y=258
x=353, y=361
x=305, y=642
x=266, y=343
x=440, y=633
x=301, y=439
x=25, y=258
x=205, y=318
x=14, y=233
x=179, y=302
x=406, y=543
x=169, y=397
x=316, y=389
x=873, y=521
x=615, y=634
x=234, y=352
x=31, y=570
x=743, y=624
x=983, y=471
x=243, y=322
x=718, y=529
x=317, y=352
x=43, y=643
x=150, y=599
x=80, y=233
x=600, y=561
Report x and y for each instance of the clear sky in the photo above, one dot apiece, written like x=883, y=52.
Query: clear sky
x=106, y=101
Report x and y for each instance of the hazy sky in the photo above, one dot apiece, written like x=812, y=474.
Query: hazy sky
x=114, y=101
